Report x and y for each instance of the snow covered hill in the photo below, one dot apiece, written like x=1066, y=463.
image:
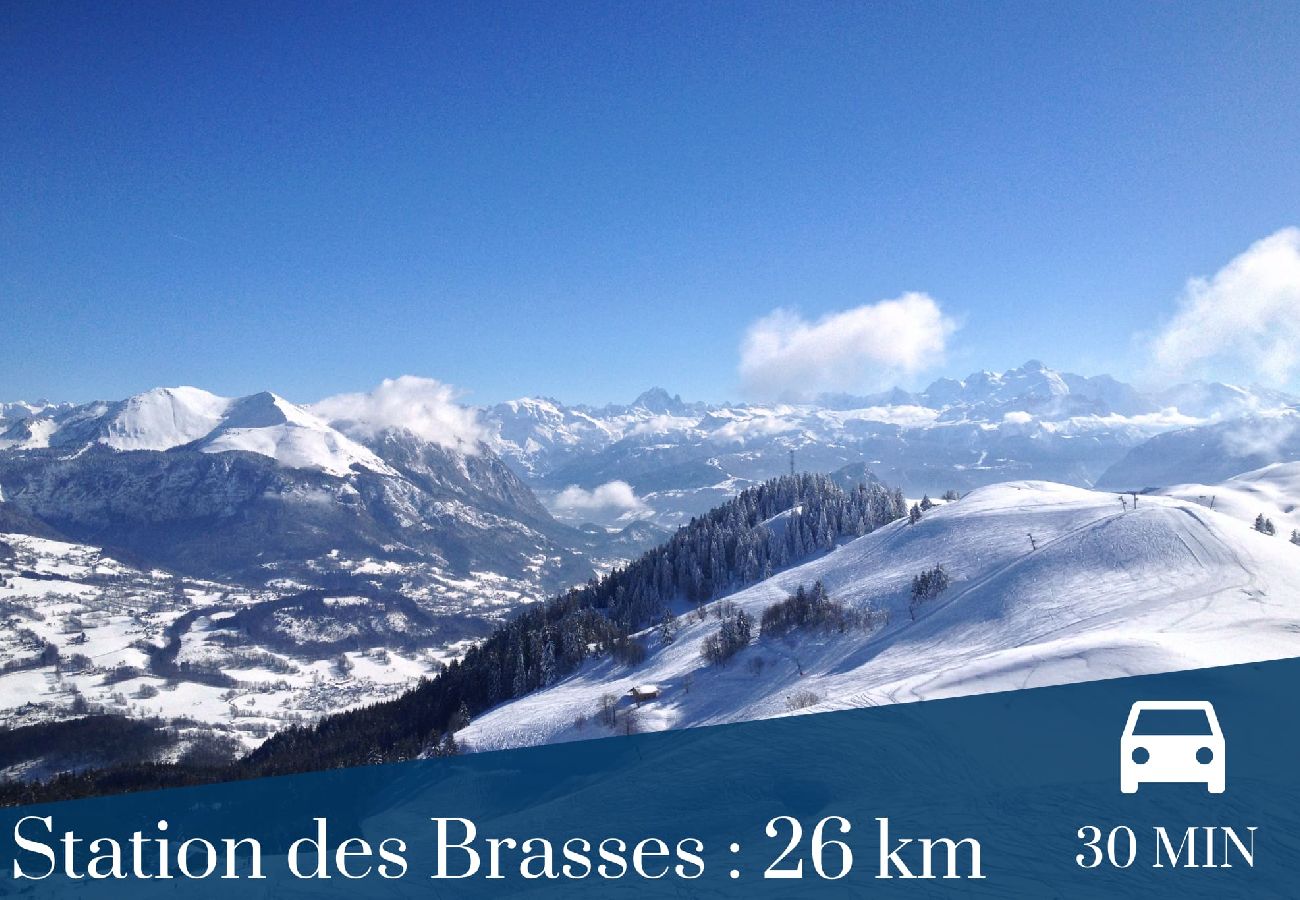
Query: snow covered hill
x=1049, y=584
x=669, y=459
x=1273, y=491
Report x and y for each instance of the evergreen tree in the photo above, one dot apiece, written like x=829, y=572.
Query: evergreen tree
x=731, y=637
x=809, y=610
x=519, y=685
x=460, y=719
x=668, y=626
x=926, y=586
x=549, y=672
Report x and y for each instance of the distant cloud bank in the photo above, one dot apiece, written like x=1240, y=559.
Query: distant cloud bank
x=786, y=357
x=1247, y=316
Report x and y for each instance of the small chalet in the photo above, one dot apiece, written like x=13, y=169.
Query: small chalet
x=643, y=693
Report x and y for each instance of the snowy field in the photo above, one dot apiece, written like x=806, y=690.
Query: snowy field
x=1049, y=584
x=1273, y=491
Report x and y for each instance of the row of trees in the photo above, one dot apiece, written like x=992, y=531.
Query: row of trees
x=1265, y=526
x=814, y=609
x=926, y=586
x=732, y=636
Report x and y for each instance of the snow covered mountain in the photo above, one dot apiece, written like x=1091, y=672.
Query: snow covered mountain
x=258, y=489
x=678, y=459
x=167, y=418
x=1048, y=584
x=1209, y=453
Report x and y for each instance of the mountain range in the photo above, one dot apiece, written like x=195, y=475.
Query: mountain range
x=259, y=488
x=677, y=459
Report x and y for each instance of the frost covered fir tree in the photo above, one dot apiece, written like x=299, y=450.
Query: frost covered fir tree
x=549, y=671
x=668, y=626
x=732, y=637
x=926, y=586
x=1264, y=526
x=460, y=719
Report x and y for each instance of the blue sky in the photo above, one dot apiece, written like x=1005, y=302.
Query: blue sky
x=584, y=200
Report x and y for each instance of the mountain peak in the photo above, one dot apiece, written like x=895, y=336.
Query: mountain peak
x=162, y=418
x=659, y=401
x=654, y=394
x=265, y=410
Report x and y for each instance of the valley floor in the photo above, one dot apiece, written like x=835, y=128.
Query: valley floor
x=85, y=634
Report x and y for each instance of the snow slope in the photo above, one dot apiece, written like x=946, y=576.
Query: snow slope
x=1272, y=490
x=1107, y=592
x=163, y=418
x=269, y=425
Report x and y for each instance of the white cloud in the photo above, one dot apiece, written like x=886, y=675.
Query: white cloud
x=1017, y=417
x=785, y=356
x=425, y=407
x=1164, y=420
x=664, y=425
x=611, y=500
x=905, y=414
x=1244, y=316
x=1263, y=435
x=741, y=430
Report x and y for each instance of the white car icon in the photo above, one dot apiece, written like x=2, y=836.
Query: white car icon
x=1172, y=741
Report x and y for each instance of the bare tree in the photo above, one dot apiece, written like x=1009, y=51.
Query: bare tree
x=802, y=700
x=608, y=714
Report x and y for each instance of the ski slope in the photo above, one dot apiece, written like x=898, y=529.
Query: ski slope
x=1272, y=490
x=1101, y=591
